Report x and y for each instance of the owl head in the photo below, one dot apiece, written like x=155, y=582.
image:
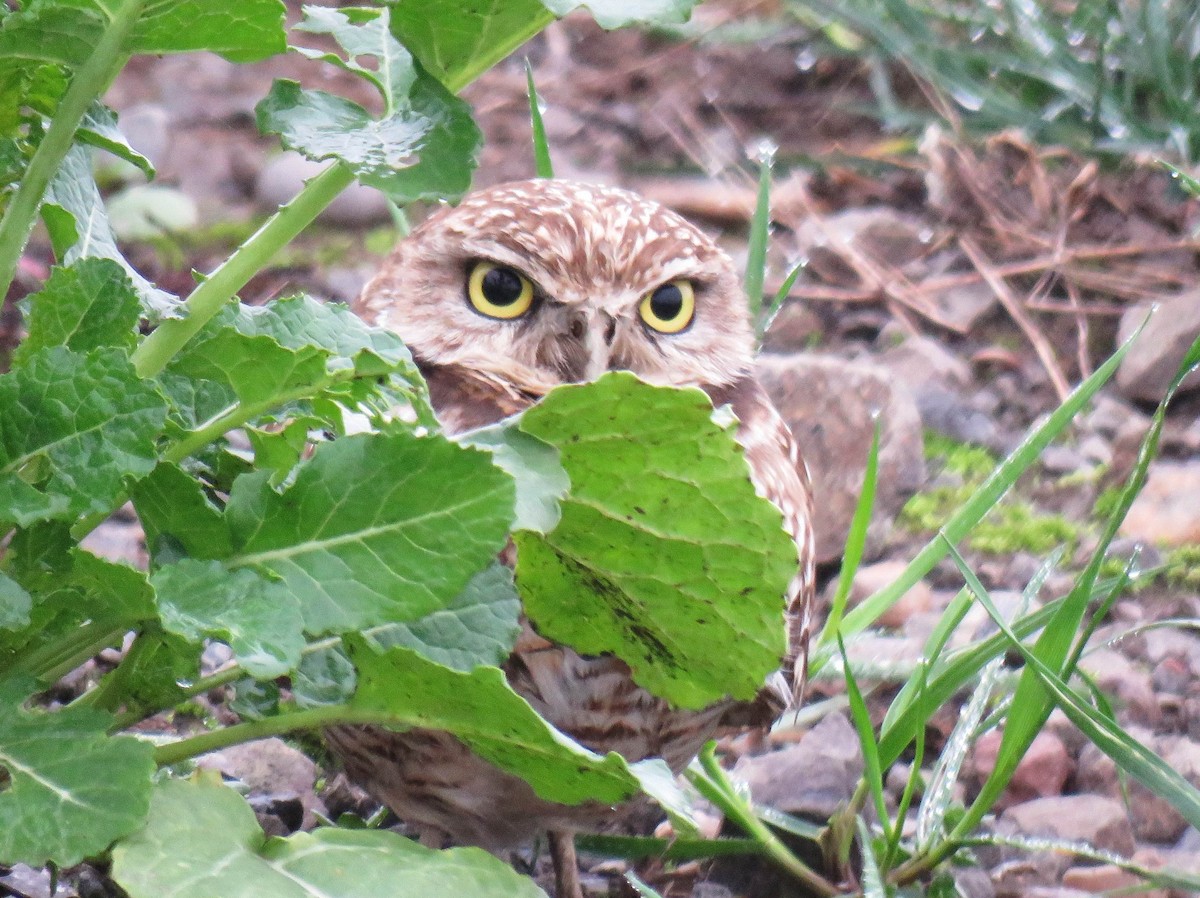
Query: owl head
x=543, y=282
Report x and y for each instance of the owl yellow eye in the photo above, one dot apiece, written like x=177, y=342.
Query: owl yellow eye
x=669, y=309
x=498, y=291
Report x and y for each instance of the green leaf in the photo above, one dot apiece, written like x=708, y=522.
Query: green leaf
x=72, y=426
x=99, y=129
x=54, y=31
x=423, y=147
x=14, y=604
x=257, y=617
x=300, y=322
x=619, y=13
x=77, y=222
x=456, y=43
x=478, y=627
x=374, y=528
x=257, y=369
x=482, y=710
x=87, y=306
x=175, y=513
x=202, y=839
x=533, y=464
x=660, y=567
x=72, y=789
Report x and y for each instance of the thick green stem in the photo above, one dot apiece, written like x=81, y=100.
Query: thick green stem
x=220, y=287
x=308, y=719
x=49, y=663
x=88, y=82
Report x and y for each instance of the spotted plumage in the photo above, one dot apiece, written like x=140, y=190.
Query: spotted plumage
x=590, y=279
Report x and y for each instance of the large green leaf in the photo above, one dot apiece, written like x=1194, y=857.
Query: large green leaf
x=257, y=616
x=456, y=42
x=483, y=711
x=664, y=550
x=374, y=528
x=202, y=839
x=86, y=306
x=72, y=789
x=72, y=426
x=177, y=516
x=478, y=627
x=423, y=146
x=66, y=32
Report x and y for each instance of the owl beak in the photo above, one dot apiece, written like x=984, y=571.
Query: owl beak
x=598, y=341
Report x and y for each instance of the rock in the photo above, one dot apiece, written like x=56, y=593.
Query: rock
x=1026, y=872
x=284, y=175
x=810, y=778
x=1043, y=771
x=964, y=306
x=272, y=769
x=973, y=882
x=871, y=578
x=795, y=328
x=1107, y=878
x=1129, y=683
x=1061, y=460
x=1167, y=511
x=949, y=414
x=1109, y=415
x=829, y=404
x=1095, y=819
x=919, y=362
x=1151, y=363
x=878, y=232
x=26, y=881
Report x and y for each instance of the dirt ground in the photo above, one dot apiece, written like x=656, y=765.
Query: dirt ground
x=1006, y=268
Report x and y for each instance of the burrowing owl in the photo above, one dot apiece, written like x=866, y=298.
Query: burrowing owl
x=523, y=287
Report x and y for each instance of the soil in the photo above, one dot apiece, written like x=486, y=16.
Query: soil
x=1016, y=260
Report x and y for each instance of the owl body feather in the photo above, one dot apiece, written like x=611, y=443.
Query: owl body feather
x=592, y=254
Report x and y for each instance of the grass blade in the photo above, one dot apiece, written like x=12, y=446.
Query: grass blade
x=1129, y=754
x=873, y=773
x=856, y=540
x=768, y=317
x=981, y=501
x=541, y=146
x=760, y=226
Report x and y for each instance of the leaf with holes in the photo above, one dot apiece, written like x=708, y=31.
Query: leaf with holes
x=89, y=305
x=664, y=549
x=424, y=145
x=72, y=426
x=257, y=616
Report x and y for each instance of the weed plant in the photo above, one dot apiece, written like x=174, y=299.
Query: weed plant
x=347, y=558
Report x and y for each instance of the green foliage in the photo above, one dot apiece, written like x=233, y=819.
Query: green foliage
x=1012, y=526
x=353, y=547
x=216, y=847
x=1097, y=74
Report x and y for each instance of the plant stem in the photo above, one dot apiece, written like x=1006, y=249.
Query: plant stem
x=87, y=83
x=308, y=719
x=220, y=287
x=49, y=663
x=715, y=786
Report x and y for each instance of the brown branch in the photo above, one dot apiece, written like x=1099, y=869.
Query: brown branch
x=1019, y=315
